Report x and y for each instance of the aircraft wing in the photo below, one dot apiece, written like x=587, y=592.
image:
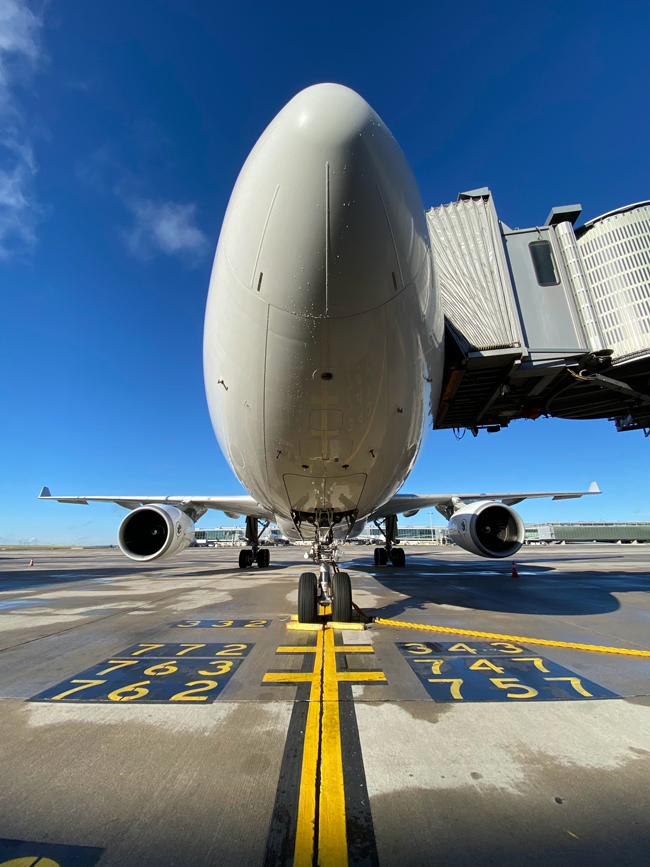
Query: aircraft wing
x=233, y=506
x=410, y=504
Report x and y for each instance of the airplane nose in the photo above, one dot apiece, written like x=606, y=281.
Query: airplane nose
x=326, y=219
x=328, y=116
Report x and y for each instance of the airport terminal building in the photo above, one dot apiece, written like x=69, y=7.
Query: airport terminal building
x=568, y=532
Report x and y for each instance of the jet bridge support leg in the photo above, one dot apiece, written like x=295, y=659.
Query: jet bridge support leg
x=254, y=554
x=390, y=551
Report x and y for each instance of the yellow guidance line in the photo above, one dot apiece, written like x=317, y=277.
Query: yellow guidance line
x=332, y=836
x=623, y=651
x=323, y=741
x=304, y=848
x=306, y=820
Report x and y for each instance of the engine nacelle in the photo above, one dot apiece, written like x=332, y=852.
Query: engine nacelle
x=488, y=529
x=152, y=532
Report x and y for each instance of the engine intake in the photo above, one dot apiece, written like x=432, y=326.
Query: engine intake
x=153, y=532
x=488, y=529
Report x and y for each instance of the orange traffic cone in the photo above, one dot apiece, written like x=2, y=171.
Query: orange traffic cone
x=514, y=573
x=31, y=562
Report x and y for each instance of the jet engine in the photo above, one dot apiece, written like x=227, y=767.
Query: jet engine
x=488, y=529
x=152, y=532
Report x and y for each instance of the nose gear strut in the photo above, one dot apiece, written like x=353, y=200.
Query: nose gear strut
x=330, y=586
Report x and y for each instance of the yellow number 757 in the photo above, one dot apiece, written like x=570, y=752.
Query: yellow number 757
x=512, y=683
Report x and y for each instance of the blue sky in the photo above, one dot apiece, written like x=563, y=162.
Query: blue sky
x=124, y=126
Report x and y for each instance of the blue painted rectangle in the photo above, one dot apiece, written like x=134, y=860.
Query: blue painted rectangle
x=460, y=671
x=146, y=680
x=222, y=624
x=25, y=853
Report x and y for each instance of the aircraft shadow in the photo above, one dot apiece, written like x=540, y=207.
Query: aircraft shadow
x=30, y=579
x=490, y=587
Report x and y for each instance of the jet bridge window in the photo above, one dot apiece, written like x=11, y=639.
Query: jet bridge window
x=544, y=263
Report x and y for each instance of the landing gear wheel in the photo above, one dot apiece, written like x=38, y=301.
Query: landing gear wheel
x=307, y=598
x=263, y=558
x=381, y=556
x=398, y=557
x=245, y=558
x=342, y=602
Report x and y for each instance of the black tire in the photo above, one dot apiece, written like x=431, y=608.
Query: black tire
x=381, y=556
x=342, y=602
x=307, y=598
x=245, y=558
x=398, y=557
x=263, y=558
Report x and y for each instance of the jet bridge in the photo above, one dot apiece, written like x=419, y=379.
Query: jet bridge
x=543, y=321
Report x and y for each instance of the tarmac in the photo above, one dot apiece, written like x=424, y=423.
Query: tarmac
x=164, y=714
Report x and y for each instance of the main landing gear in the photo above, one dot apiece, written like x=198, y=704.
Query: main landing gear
x=391, y=552
x=329, y=586
x=254, y=554
x=397, y=557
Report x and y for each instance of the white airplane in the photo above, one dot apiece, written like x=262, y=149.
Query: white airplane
x=323, y=355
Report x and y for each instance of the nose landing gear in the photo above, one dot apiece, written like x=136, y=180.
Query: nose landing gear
x=342, y=592
x=307, y=598
x=338, y=595
x=331, y=587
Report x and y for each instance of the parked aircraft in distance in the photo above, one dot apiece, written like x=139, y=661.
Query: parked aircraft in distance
x=323, y=355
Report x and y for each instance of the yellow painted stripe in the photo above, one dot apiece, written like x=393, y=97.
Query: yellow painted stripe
x=354, y=648
x=296, y=650
x=304, y=627
x=343, y=648
x=332, y=837
x=304, y=847
x=358, y=676
x=323, y=739
x=624, y=651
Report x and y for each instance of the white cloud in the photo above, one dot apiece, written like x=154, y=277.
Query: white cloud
x=20, y=54
x=164, y=227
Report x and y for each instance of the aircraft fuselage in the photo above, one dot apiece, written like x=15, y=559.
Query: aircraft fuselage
x=323, y=343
